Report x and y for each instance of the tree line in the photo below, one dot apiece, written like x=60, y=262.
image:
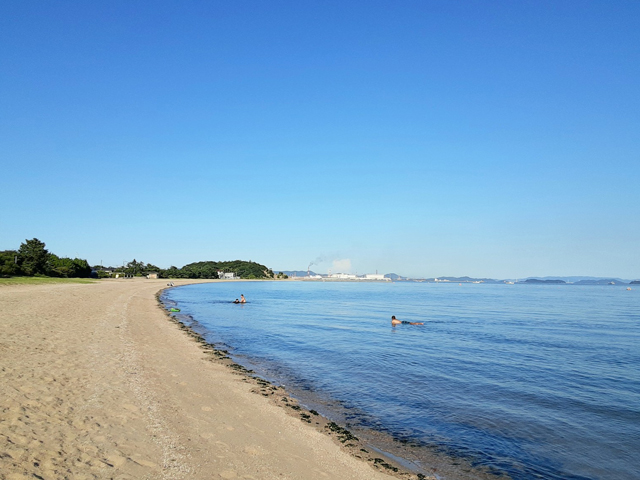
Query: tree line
x=205, y=270
x=32, y=259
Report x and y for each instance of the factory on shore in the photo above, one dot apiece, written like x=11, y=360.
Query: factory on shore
x=372, y=277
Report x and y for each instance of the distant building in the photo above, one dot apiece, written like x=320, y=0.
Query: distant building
x=375, y=276
x=343, y=276
x=226, y=275
x=152, y=275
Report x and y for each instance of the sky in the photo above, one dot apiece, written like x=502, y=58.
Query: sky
x=425, y=138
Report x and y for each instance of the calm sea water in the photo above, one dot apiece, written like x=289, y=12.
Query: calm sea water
x=535, y=381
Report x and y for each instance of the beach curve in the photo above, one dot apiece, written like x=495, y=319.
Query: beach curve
x=96, y=383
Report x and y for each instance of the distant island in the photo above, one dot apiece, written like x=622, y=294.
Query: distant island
x=602, y=281
x=537, y=281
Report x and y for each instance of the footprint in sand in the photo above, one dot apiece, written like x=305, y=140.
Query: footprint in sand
x=116, y=459
x=228, y=474
x=255, y=450
x=222, y=446
x=206, y=409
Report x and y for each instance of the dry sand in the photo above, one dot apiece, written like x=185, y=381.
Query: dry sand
x=95, y=382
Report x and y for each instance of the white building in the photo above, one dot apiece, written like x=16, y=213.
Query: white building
x=375, y=276
x=343, y=276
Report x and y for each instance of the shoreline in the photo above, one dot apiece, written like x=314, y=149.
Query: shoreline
x=96, y=383
x=280, y=397
x=395, y=456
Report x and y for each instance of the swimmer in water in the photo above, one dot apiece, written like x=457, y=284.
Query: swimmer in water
x=395, y=321
x=236, y=301
x=242, y=299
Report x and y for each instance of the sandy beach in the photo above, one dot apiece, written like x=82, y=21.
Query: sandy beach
x=97, y=382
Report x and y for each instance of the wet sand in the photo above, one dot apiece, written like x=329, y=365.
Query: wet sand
x=96, y=382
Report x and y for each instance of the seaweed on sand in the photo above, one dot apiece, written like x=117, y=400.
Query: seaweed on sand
x=343, y=434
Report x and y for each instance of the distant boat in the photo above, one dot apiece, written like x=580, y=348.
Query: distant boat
x=628, y=288
x=509, y=283
x=612, y=283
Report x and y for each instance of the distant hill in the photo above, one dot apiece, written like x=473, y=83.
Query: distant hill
x=635, y=282
x=467, y=280
x=603, y=281
x=241, y=268
x=536, y=281
x=393, y=276
x=576, y=279
x=297, y=273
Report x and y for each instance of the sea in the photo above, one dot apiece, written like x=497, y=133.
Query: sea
x=525, y=381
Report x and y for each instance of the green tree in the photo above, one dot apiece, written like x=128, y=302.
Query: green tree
x=8, y=263
x=66, y=267
x=135, y=268
x=150, y=267
x=32, y=257
x=172, y=272
x=81, y=268
x=59, y=267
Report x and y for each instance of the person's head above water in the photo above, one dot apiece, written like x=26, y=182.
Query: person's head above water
x=395, y=321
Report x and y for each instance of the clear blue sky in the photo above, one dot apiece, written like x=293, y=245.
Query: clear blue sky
x=424, y=138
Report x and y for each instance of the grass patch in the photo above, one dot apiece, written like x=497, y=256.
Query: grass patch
x=42, y=280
